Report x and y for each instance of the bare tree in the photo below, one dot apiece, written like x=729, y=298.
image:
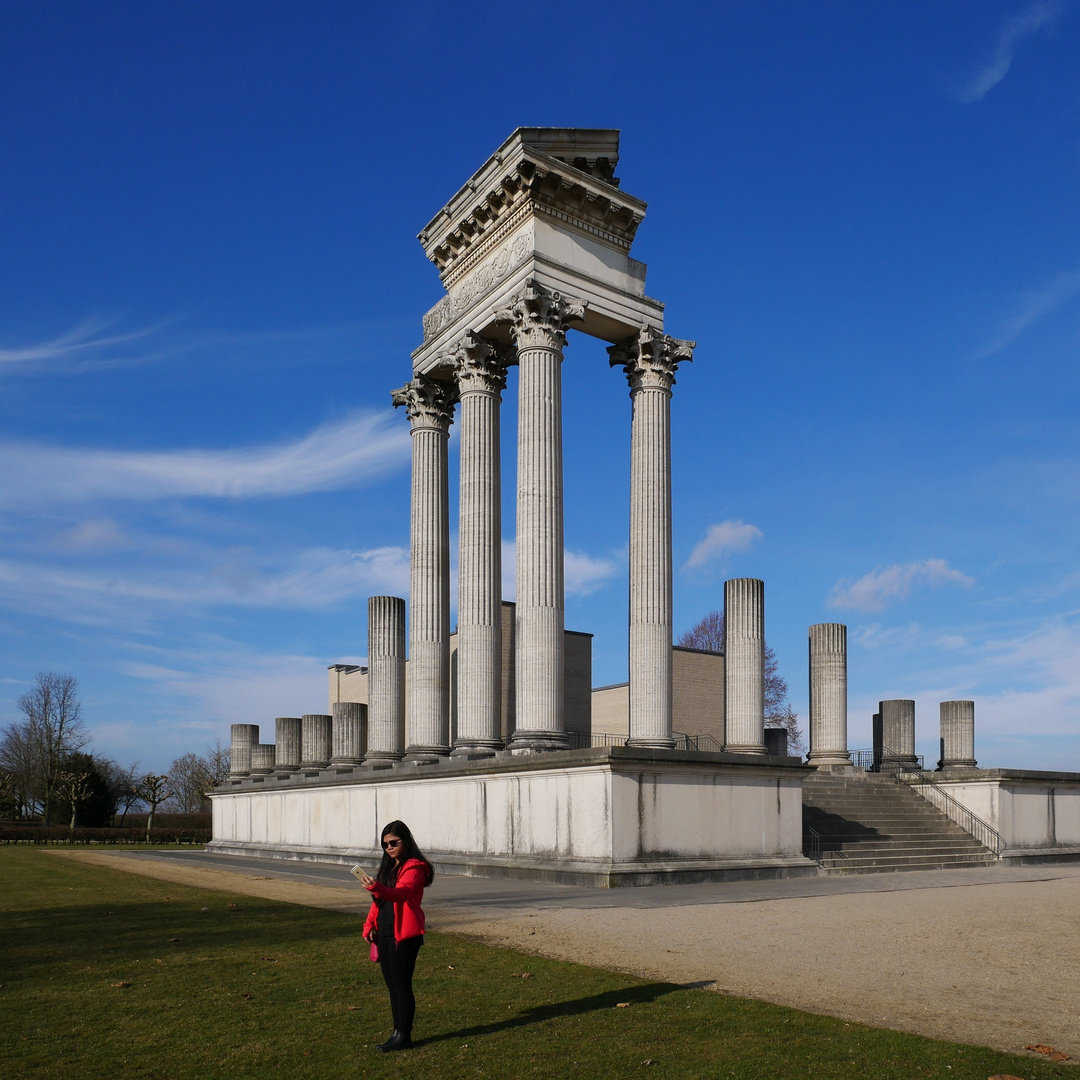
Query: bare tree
x=709, y=634
x=154, y=791
x=19, y=762
x=193, y=776
x=54, y=729
x=73, y=786
x=124, y=784
x=218, y=760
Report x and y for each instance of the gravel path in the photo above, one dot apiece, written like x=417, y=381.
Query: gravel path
x=995, y=962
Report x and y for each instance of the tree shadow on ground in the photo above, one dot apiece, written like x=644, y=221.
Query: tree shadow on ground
x=538, y=1014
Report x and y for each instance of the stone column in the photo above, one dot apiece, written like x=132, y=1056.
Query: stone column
x=386, y=678
x=316, y=733
x=347, y=732
x=288, y=737
x=744, y=666
x=538, y=318
x=828, y=695
x=242, y=738
x=650, y=361
x=429, y=405
x=262, y=759
x=958, y=735
x=898, y=729
x=481, y=378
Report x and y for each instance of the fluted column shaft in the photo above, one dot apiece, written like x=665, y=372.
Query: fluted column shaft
x=744, y=665
x=958, y=734
x=430, y=408
x=243, y=737
x=537, y=318
x=288, y=738
x=316, y=736
x=650, y=361
x=828, y=695
x=386, y=678
x=898, y=728
x=347, y=736
x=481, y=378
x=262, y=758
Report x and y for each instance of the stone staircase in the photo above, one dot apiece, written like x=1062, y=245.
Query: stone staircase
x=869, y=824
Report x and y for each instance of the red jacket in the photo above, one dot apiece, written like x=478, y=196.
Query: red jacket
x=406, y=894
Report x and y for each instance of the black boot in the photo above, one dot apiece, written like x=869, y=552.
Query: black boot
x=389, y=1044
x=400, y=1040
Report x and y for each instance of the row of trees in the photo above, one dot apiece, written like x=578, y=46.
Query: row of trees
x=47, y=771
x=709, y=634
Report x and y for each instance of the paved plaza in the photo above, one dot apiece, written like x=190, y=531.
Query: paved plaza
x=985, y=956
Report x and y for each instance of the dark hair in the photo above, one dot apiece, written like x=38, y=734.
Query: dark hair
x=388, y=868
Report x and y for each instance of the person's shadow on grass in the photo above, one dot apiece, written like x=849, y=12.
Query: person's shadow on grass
x=635, y=995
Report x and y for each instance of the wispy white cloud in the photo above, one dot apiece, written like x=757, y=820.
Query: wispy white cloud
x=93, y=535
x=720, y=540
x=584, y=574
x=1015, y=28
x=80, y=341
x=876, y=590
x=346, y=453
x=1034, y=306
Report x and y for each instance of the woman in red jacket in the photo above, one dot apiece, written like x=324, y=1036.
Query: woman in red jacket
x=395, y=923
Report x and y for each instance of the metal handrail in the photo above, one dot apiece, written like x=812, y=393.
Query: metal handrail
x=871, y=760
x=929, y=787
x=812, y=849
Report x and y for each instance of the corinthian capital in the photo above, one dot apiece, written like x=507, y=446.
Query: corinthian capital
x=650, y=358
x=428, y=403
x=478, y=364
x=538, y=317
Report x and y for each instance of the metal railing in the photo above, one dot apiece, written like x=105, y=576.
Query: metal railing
x=933, y=791
x=876, y=761
x=582, y=740
x=705, y=742
x=812, y=844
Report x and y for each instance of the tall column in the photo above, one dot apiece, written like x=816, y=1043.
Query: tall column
x=538, y=318
x=828, y=695
x=262, y=759
x=650, y=361
x=429, y=405
x=898, y=729
x=481, y=378
x=288, y=738
x=315, y=735
x=386, y=678
x=347, y=732
x=958, y=735
x=744, y=666
x=242, y=738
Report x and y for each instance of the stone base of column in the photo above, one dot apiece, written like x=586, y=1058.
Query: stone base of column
x=960, y=763
x=530, y=742
x=345, y=760
x=824, y=758
x=652, y=744
x=382, y=757
x=286, y=770
x=747, y=748
x=476, y=748
x=422, y=754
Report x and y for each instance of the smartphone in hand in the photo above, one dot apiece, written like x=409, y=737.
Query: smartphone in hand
x=357, y=871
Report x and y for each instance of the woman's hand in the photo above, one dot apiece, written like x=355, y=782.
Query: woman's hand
x=367, y=881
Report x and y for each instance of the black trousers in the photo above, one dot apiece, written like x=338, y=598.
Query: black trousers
x=397, y=960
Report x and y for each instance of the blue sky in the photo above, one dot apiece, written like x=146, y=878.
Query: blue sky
x=865, y=214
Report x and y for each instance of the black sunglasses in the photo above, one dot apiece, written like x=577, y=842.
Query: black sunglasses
x=391, y=843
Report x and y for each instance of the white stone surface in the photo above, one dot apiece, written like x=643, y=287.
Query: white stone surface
x=604, y=814
x=386, y=678
x=481, y=378
x=650, y=360
x=828, y=695
x=1036, y=813
x=958, y=734
x=429, y=405
x=744, y=665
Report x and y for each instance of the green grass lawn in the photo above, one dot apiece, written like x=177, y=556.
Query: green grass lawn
x=222, y=986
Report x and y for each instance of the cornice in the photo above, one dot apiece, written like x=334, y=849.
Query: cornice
x=516, y=182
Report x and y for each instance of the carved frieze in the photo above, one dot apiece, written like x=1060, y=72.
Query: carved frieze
x=428, y=403
x=650, y=358
x=538, y=317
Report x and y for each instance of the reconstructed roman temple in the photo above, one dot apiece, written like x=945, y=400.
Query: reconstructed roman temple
x=490, y=741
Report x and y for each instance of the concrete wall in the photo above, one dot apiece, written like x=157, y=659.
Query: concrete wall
x=589, y=815
x=697, y=697
x=1035, y=812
